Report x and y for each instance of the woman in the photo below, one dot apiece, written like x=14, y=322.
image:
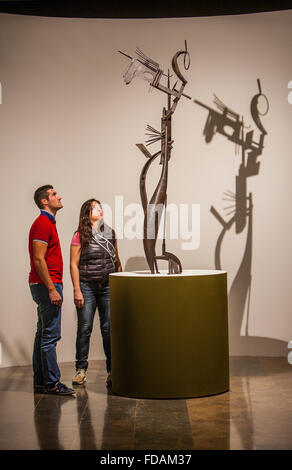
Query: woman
x=93, y=256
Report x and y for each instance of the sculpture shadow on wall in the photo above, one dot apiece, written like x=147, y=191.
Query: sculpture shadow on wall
x=229, y=124
x=136, y=263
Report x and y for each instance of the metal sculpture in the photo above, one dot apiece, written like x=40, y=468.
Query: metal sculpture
x=147, y=69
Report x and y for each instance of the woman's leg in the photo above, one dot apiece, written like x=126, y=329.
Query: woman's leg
x=85, y=323
x=103, y=304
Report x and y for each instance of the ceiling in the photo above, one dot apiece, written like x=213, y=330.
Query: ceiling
x=146, y=9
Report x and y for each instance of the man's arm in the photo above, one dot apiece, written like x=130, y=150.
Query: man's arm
x=39, y=251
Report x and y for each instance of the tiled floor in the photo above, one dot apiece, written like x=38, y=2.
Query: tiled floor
x=255, y=414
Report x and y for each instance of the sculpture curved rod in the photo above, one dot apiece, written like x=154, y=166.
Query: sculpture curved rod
x=175, y=266
x=144, y=171
x=178, y=73
x=175, y=65
x=154, y=207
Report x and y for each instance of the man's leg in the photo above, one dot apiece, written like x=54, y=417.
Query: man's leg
x=38, y=379
x=50, y=327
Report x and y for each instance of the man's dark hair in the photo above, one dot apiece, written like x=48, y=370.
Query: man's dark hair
x=42, y=193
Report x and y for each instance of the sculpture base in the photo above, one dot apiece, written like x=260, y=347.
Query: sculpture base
x=169, y=334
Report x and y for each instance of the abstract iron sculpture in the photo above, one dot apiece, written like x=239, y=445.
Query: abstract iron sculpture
x=147, y=69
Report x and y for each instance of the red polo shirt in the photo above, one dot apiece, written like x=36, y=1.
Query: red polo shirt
x=44, y=229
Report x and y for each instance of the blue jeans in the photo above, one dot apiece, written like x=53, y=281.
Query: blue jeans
x=45, y=367
x=94, y=296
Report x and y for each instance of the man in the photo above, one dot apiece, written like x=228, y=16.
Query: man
x=45, y=280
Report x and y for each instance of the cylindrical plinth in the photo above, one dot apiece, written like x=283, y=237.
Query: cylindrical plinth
x=169, y=334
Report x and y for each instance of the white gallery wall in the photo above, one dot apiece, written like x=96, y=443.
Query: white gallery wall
x=68, y=119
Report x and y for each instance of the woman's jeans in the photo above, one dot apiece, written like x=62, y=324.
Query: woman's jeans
x=94, y=296
x=45, y=367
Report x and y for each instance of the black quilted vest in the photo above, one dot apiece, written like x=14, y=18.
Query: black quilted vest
x=95, y=262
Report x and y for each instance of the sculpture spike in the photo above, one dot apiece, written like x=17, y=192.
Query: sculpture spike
x=150, y=128
x=130, y=57
x=231, y=212
x=146, y=60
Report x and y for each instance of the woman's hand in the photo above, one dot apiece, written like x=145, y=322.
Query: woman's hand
x=75, y=251
x=78, y=298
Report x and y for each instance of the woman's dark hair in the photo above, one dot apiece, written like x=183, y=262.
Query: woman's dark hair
x=84, y=227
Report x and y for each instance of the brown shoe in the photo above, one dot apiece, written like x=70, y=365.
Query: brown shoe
x=80, y=377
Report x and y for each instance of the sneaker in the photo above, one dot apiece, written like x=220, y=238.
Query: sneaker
x=80, y=377
x=109, y=380
x=59, y=389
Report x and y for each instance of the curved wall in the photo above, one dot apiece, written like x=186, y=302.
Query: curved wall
x=68, y=119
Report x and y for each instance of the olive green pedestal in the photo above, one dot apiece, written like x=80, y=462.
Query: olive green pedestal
x=169, y=334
